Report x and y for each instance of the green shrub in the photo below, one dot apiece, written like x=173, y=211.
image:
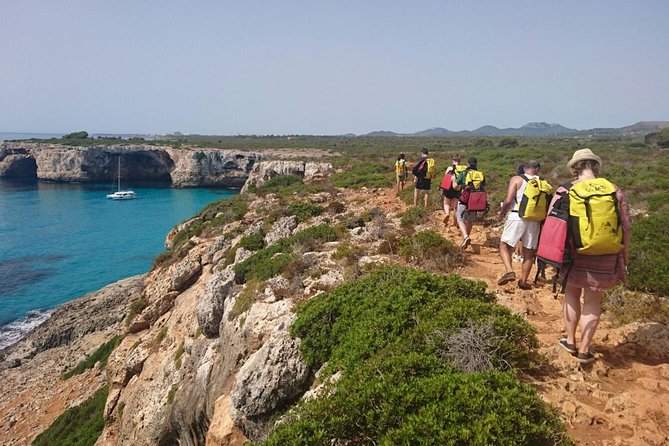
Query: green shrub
x=101, y=355
x=270, y=261
x=648, y=261
x=303, y=210
x=252, y=242
x=386, y=333
x=358, y=318
x=171, y=393
x=428, y=248
x=411, y=400
x=246, y=298
x=136, y=307
x=365, y=174
x=282, y=181
x=413, y=216
x=77, y=426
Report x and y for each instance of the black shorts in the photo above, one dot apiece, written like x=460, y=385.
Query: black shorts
x=423, y=184
x=450, y=194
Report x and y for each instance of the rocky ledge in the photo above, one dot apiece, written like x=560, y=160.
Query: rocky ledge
x=182, y=167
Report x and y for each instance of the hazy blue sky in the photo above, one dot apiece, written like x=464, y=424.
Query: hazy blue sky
x=279, y=67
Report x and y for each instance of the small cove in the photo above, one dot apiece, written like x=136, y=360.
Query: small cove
x=60, y=241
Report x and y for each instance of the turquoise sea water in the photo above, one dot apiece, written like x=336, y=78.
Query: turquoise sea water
x=61, y=241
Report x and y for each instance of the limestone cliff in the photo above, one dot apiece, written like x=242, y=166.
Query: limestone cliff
x=182, y=167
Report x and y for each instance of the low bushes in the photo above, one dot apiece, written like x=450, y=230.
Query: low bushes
x=365, y=174
x=303, y=210
x=101, y=355
x=625, y=306
x=77, y=426
x=428, y=248
x=413, y=216
x=387, y=333
x=270, y=261
x=648, y=261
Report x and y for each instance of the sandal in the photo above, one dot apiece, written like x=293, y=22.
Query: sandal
x=506, y=278
x=571, y=348
x=585, y=358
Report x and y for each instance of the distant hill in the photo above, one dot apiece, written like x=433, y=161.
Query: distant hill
x=536, y=129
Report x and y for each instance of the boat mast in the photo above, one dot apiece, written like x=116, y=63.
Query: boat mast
x=119, y=173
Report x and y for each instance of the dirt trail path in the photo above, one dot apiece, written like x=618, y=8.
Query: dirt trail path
x=622, y=398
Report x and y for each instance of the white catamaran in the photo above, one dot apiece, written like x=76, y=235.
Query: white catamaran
x=121, y=194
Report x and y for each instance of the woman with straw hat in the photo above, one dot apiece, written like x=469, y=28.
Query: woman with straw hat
x=591, y=275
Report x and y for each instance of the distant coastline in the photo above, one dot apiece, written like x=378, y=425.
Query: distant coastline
x=9, y=136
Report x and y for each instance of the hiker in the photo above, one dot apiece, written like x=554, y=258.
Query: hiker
x=448, y=190
x=401, y=171
x=590, y=275
x=519, y=228
x=423, y=172
x=469, y=181
x=518, y=254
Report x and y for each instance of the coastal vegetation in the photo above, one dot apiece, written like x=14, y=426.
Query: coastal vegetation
x=78, y=426
x=409, y=356
x=389, y=336
x=100, y=355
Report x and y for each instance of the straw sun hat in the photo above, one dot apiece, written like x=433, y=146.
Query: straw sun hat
x=582, y=155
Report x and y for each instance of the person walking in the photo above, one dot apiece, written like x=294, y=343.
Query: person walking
x=518, y=230
x=590, y=275
x=423, y=172
x=448, y=190
x=464, y=217
x=401, y=171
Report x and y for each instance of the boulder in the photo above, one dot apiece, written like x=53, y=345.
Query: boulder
x=273, y=376
x=282, y=228
x=211, y=306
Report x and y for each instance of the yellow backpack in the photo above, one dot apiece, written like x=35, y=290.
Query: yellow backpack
x=594, y=217
x=400, y=167
x=431, y=169
x=474, y=178
x=533, y=205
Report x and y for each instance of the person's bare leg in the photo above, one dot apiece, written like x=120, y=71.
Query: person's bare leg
x=589, y=318
x=505, y=254
x=447, y=210
x=571, y=311
x=415, y=197
x=528, y=261
x=426, y=196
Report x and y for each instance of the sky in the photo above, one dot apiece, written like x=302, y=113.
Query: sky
x=329, y=67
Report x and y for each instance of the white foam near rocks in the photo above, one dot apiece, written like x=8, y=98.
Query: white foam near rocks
x=14, y=331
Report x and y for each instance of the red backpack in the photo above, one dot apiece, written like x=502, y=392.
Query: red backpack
x=554, y=246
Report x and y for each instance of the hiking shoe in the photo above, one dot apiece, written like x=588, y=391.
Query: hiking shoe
x=571, y=348
x=506, y=278
x=524, y=286
x=585, y=358
x=465, y=242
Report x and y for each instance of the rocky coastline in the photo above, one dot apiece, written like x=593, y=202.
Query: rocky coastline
x=207, y=357
x=181, y=167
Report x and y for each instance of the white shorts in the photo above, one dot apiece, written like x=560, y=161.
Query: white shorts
x=521, y=230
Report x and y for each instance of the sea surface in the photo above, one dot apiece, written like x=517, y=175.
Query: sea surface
x=60, y=241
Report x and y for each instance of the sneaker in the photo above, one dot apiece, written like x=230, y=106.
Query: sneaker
x=465, y=242
x=524, y=286
x=585, y=358
x=571, y=348
x=506, y=278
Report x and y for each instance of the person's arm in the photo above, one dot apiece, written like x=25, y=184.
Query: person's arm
x=514, y=184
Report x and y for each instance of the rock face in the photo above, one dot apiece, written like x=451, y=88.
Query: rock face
x=181, y=167
x=265, y=171
x=33, y=390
